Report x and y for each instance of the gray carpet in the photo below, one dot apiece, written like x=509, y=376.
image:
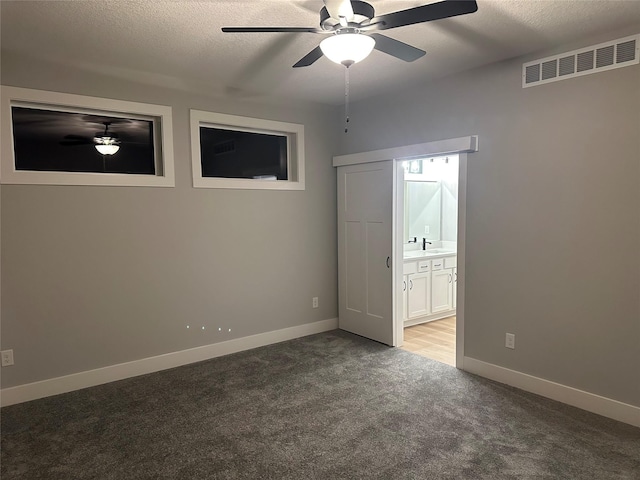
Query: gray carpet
x=329, y=406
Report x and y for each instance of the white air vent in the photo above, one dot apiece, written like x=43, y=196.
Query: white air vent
x=598, y=58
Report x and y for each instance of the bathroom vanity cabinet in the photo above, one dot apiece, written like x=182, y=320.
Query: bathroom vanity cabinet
x=429, y=288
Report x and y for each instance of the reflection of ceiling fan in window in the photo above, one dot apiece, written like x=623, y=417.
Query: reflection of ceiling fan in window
x=106, y=143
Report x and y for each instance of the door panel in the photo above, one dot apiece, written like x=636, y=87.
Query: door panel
x=353, y=266
x=365, y=214
x=377, y=271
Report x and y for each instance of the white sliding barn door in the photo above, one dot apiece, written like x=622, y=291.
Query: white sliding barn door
x=365, y=232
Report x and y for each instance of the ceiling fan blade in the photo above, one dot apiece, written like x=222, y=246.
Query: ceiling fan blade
x=397, y=49
x=68, y=143
x=426, y=13
x=372, y=27
x=309, y=58
x=78, y=138
x=339, y=8
x=271, y=30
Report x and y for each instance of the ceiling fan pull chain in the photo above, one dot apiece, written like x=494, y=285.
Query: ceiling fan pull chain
x=346, y=99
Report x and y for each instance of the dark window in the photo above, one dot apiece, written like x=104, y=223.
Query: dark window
x=237, y=154
x=55, y=141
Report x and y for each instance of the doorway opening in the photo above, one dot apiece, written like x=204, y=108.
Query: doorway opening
x=371, y=300
x=429, y=256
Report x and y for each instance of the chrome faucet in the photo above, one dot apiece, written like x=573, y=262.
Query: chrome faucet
x=424, y=243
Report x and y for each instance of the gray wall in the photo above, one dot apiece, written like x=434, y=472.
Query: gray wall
x=553, y=214
x=95, y=276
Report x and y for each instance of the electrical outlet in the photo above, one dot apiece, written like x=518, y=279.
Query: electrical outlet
x=510, y=341
x=427, y=229
x=7, y=358
x=314, y=302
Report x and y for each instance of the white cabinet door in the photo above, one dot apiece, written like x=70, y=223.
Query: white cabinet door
x=418, y=302
x=455, y=287
x=442, y=290
x=405, y=296
x=365, y=232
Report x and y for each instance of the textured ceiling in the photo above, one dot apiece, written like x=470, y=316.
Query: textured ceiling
x=179, y=43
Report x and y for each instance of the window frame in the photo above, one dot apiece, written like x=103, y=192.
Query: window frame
x=66, y=102
x=293, y=132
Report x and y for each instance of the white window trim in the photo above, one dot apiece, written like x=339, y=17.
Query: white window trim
x=66, y=101
x=295, y=151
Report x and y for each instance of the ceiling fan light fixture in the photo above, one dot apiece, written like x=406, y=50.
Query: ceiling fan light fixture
x=106, y=143
x=108, y=147
x=347, y=48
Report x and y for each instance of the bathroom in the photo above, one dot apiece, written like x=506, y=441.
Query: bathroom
x=430, y=256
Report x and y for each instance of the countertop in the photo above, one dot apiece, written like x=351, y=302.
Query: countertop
x=433, y=253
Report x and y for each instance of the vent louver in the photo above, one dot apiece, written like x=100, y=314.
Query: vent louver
x=597, y=58
x=626, y=51
x=585, y=61
x=567, y=65
x=549, y=69
x=532, y=73
x=604, y=56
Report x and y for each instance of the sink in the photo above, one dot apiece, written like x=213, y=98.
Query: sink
x=427, y=253
x=414, y=254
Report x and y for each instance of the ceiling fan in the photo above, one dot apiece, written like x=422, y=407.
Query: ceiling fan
x=352, y=26
x=106, y=143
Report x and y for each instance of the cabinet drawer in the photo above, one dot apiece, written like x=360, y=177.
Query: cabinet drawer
x=437, y=264
x=410, y=267
x=450, y=262
x=424, y=266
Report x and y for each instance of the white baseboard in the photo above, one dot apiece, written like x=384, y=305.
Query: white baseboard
x=112, y=373
x=604, y=406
